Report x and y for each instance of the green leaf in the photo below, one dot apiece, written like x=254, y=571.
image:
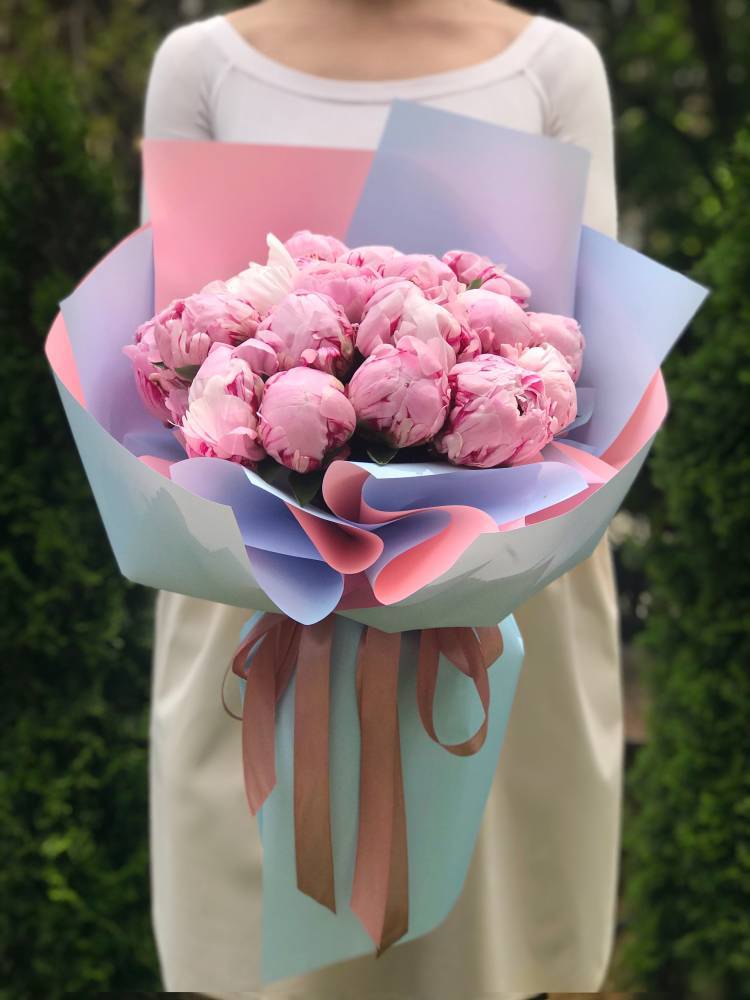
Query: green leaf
x=188, y=372
x=476, y=283
x=270, y=472
x=305, y=486
x=381, y=453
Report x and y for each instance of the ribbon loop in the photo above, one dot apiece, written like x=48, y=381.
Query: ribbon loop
x=267, y=659
x=266, y=676
x=470, y=651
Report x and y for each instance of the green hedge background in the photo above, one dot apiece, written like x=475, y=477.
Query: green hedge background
x=74, y=908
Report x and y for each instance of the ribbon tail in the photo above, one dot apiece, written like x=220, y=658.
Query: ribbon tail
x=258, y=728
x=312, y=810
x=380, y=893
x=396, y=922
x=272, y=662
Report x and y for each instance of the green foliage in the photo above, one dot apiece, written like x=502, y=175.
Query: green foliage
x=688, y=870
x=74, y=913
x=106, y=45
x=679, y=71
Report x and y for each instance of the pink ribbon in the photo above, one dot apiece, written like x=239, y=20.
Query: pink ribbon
x=380, y=891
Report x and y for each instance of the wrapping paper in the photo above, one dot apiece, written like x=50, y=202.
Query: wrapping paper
x=445, y=799
x=402, y=547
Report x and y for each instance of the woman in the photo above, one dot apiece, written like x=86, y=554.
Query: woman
x=537, y=910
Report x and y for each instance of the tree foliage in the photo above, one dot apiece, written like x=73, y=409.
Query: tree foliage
x=689, y=840
x=678, y=71
x=73, y=903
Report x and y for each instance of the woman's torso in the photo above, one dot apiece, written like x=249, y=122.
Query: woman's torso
x=301, y=108
x=208, y=82
x=536, y=909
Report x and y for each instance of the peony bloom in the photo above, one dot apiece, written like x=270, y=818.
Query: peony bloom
x=177, y=403
x=470, y=267
x=309, y=329
x=466, y=342
x=185, y=331
x=496, y=319
x=427, y=272
x=553, y=370
x=163, y=391
x=265, y=285
x=350, y=287
x=499, y=414
x=401, y=393
x=561, y=332
x=304, y=416
x=150, y=382
x=261, y=358
x=370, y=256
x=304, y=245
x=222, y=415
x=227, y=366
x=399, y=309
x=233, y=312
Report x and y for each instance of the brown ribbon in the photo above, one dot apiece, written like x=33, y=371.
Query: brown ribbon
x=380, y=891
x=380, y=896
x=277, y=638
x=472, y=651
x=312, y=810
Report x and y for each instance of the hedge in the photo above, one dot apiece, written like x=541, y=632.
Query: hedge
x=74, y=907
x=688, y=842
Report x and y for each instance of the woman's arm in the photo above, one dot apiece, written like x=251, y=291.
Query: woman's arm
x=572, y=77
x=177, y=96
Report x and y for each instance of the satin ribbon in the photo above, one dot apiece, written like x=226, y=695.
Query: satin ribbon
x=266, y=660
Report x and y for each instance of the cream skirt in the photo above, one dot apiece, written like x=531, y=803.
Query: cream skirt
x=537, y=911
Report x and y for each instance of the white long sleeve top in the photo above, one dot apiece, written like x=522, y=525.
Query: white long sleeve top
x=208, y=82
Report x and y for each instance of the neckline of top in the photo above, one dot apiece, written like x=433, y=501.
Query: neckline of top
x=507, y=62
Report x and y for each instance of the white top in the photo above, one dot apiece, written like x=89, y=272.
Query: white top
x=208, y=82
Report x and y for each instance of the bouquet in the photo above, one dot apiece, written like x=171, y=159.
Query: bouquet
x=386, y=451
x=330, y=353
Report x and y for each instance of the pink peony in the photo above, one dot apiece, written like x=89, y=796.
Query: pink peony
x=304, y=415
x=499, y=414
x=553, y=370
x=401, y=393
x=227, y=366
x=427, y=272
x=310, y=329
x=261, y=358
x=370, y=256
x=399, y=309
x=304, y=245
x=233, y=312
x=561, y=332
x=496, y=319
x=350, y=287
x=470, y=267
x=186, y=329
x=163, y=392
x=152, y=386
x=466, y=342
x=222, y=415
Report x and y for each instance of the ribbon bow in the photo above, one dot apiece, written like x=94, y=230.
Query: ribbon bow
x=266, y=659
